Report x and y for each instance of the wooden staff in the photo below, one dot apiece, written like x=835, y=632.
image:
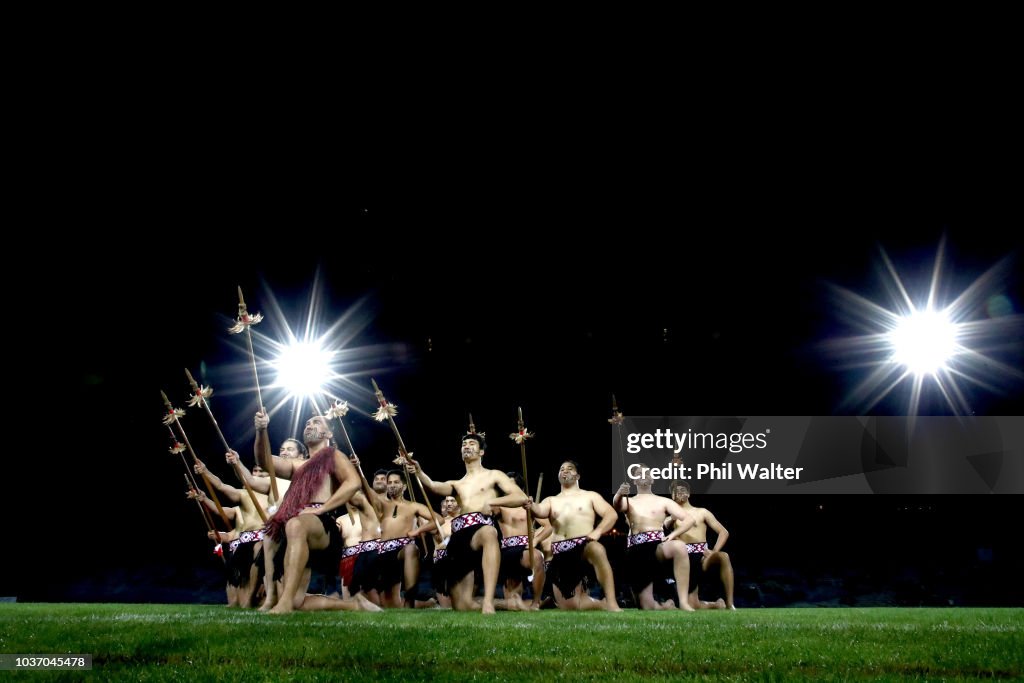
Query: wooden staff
x=199, y=396
x=520, y=438
x=172, y=418
x=243, y=323
x=387, y=412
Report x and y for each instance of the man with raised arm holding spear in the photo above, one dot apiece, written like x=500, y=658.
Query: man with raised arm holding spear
x=474, y=540
x=306, y=519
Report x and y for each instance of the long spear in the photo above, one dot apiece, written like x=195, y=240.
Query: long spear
x=387, y=411
x=338, y=410
x=617, y=420
x=199, y=397
x=172, y=418
x=520, y=436
x=245, y=322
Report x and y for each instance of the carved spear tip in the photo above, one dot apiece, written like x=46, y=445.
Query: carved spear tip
x=241, y=299
x=191, y=380
x=615, y=405
x=472, y=427
x=375, y=387
x=167, y=401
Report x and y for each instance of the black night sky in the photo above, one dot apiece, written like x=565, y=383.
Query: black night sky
x=705, y=297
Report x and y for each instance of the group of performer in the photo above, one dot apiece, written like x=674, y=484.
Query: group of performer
x=323, y=515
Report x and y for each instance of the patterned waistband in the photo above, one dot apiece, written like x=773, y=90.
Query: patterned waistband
x=393, y=544
x=514, y=542
x=696, y=548
x=439, y=554
x=246, y=537
x=568, y=544
x=470, y=519
x=645, y=537
x=361, y=547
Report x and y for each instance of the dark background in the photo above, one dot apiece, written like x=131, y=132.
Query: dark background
x=696, y=293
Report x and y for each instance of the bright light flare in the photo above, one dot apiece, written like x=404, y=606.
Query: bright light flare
x=924, y=342
x=303, y=368
x=918, y=340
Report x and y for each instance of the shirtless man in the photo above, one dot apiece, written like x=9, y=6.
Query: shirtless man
x=473, y=533
x=647, y=549
x=516, y=564
x=360, y=533
x=577, y=533
x=238, y=570
x=245, y=559
x=305, y=519
x=397, y=554
x=439, y=572
x=701, y=559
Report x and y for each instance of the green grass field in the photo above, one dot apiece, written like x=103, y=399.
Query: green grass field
x=185, y=642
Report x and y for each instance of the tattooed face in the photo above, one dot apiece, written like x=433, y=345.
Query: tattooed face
x=567, y=473
x=395, y=486
x=316, y=430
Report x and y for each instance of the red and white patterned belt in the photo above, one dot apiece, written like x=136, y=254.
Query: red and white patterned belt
x=350, y=551
x=468, y=520
x=645, y=537
x=393, y=544
x=696, y=548
x=515, y=542
x=568, y=544
x=439, y=554
x=246, y=537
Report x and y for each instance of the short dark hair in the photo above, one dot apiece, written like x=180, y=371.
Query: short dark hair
x=575, y=465
x=380, y=471
x=481, y=441
x=397, y=473
x=303, y=451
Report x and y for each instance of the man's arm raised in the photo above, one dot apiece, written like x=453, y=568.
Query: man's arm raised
x=230, y=492
x=439, y=488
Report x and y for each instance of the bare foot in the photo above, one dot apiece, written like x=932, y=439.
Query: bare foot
x=610, y=605
x=687, y=607
x=487, y=607
x=282, y=607
x=365, y=605
x=533, y=606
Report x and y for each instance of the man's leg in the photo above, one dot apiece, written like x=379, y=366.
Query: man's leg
x=726, y=574
x=486, y=540
x=305, y=533
x=411, y=572
x=596, y=556
x=538, y=578
x=675, y=551
x=270, y=586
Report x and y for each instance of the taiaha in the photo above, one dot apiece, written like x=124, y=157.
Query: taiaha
x=219, y=550
x=617, y=419
x=199, y=397
x=387, y=411
x=338, y=410
x=243, y=323
x=172, y=418
x=520, y=436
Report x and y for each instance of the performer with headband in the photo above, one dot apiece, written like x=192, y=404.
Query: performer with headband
x=475, y=539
